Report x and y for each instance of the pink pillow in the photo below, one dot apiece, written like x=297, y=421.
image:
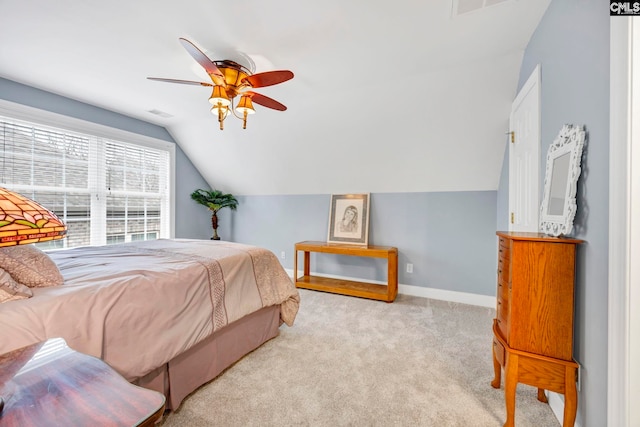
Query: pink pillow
x=11, y=290
x=30, y=266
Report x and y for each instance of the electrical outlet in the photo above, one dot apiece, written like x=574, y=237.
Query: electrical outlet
x=409, y=268
x=283, y=255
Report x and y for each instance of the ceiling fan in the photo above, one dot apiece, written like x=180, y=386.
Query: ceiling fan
x=230, y=79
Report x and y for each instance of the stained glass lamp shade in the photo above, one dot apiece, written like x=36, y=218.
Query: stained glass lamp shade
x=24, y=221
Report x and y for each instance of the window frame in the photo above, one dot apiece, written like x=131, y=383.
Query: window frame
x=72, y=124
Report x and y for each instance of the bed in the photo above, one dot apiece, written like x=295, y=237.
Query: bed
x=168, y=314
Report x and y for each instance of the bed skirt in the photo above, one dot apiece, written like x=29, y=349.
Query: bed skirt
x=207, y=359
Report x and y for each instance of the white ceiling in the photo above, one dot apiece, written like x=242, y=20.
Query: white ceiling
x=387, y=96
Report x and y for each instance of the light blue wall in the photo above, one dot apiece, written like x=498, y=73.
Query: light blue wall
x=502, y=220
x=571, y=44
x=193, y=221
x=187, y=177
x=449, y=237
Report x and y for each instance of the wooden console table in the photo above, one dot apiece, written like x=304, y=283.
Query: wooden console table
x=386, y=292
x=50, y=384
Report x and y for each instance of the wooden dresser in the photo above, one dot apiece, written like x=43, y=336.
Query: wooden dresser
x=533, y=328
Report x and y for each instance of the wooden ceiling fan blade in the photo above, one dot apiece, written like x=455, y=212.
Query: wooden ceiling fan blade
x=269, y=78
x=202, y=59
x=265, y=101
x=184, y=82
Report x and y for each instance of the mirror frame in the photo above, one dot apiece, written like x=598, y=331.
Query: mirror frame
x=570, y=140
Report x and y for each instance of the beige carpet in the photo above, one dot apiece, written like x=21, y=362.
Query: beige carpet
x=355, y=362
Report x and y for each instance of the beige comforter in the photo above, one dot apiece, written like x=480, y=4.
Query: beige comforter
x=138, y=305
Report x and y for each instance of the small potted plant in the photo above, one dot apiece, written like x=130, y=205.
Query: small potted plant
x=215, y=200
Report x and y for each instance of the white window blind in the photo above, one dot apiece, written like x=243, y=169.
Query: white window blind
x=106, y=191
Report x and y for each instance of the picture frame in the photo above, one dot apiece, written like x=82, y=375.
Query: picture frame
x=558, y=207
x=349, y=219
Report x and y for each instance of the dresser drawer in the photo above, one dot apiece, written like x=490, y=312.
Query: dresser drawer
x=504, y=246
x=502, y=309
x=503, y=291
x=502, y=317
x=503, y=270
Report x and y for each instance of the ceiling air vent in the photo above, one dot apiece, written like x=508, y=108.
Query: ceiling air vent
x=160, y=113
x=461, y=7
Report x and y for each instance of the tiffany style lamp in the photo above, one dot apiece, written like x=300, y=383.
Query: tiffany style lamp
x=24, y=221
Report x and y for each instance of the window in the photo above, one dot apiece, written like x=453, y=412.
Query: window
x=107, y=190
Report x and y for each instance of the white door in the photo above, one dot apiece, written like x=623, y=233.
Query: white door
x=524, y=156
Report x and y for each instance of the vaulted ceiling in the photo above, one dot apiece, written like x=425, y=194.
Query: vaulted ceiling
x=387, y=96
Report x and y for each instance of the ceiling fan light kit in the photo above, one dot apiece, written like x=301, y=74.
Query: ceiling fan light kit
x=219, y=96
x=245, y=105
x=229, y=79
x=220, y=104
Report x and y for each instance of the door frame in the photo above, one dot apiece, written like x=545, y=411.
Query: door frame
x=623, y=376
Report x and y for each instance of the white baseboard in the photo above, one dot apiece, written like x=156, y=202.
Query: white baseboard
x=556, y=403
x=452, y=296
x=420, y=291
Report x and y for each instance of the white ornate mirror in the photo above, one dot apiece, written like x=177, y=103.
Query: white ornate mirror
x=560, y=182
